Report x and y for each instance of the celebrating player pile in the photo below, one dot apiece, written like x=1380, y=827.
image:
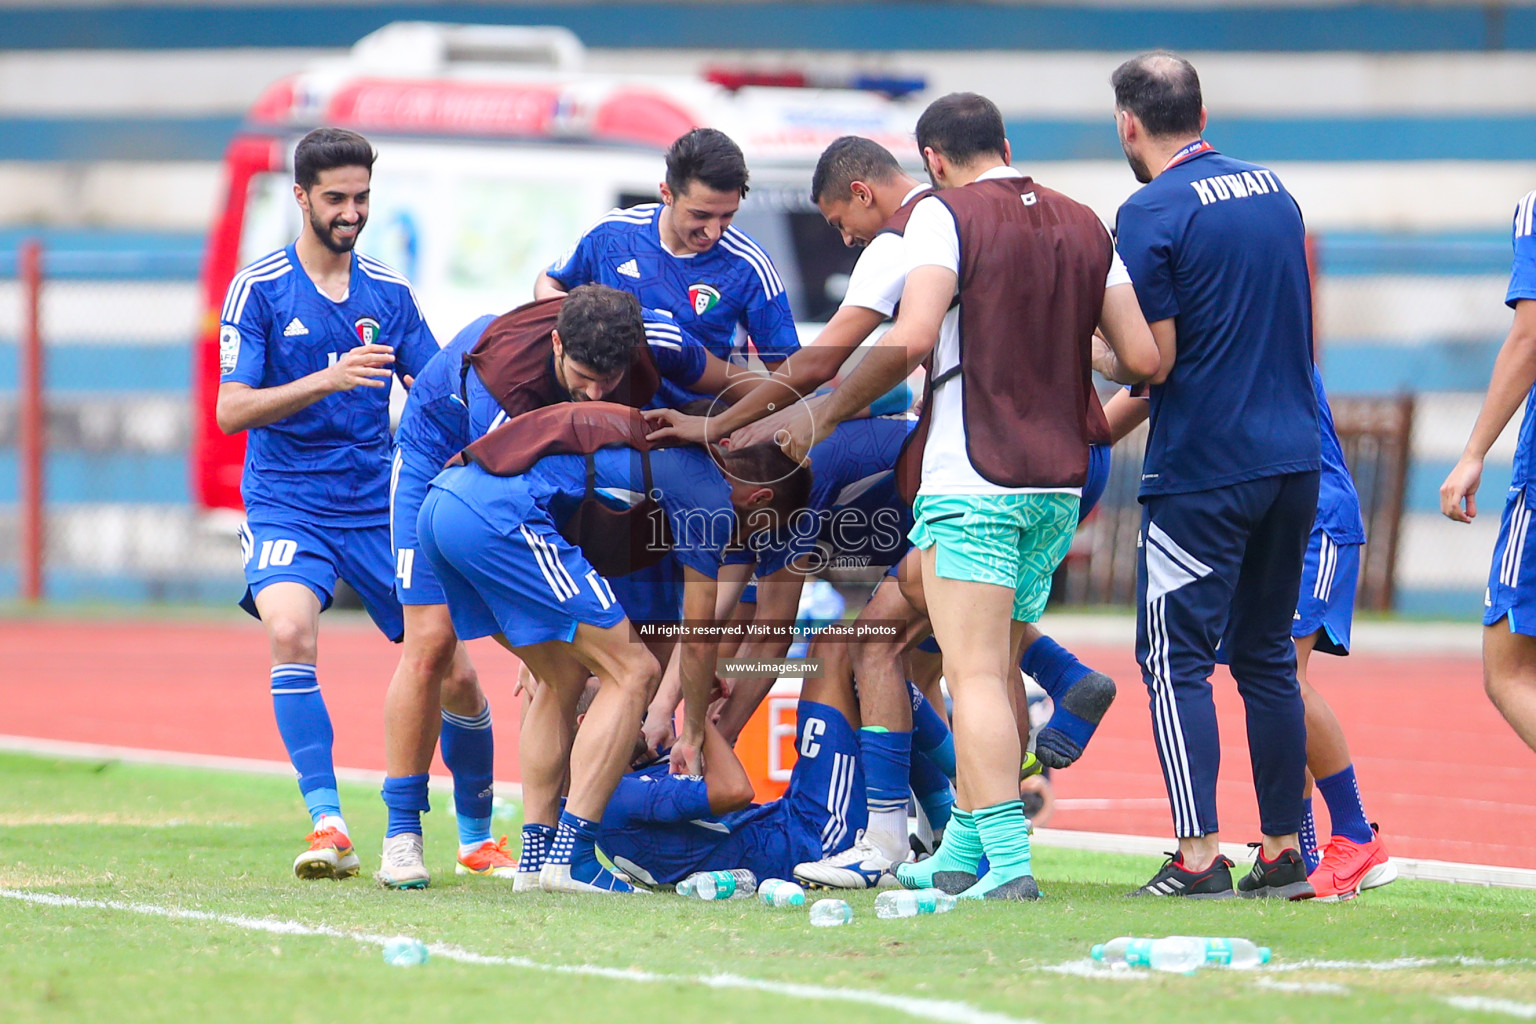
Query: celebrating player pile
x=533, y=501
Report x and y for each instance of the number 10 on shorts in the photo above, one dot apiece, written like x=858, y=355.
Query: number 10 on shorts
x=277, y=552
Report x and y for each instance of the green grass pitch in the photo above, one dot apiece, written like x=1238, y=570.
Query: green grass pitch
x=154, y=843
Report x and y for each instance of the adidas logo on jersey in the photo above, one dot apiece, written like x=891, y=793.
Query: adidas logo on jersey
x=295, y=328
x=629, y=268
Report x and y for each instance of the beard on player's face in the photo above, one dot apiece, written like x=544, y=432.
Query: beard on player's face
x=327, y=233
x=1138, y=165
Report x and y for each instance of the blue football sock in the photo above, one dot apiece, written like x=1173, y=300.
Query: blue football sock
x=1345, y=812
x=1309, y=854
x=406, y=798
x=575, y=844
x=469, y=754
x=536, y=843
x=886, y=757
x=930, y=733
x=1052, y=666
x=932, y=789
x=305, y=726
x=1057, y=670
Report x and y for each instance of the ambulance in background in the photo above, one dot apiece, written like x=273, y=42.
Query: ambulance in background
x=496, y=152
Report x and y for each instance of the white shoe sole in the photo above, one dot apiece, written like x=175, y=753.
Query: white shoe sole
x=1381, y=874
x=551, y=879
x=389, y=881
x=313, y=864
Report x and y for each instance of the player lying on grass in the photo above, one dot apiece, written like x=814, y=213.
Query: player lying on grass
x=1355, y=858
x=590, y=345
x=658, y=827
x=496, y=530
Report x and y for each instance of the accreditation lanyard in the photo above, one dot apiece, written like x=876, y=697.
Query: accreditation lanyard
x=1198, y=146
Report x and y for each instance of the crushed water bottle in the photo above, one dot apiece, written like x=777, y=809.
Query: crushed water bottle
x=1177, y=954
x=912, y=902
x=719, y=885
x=830, y=913
x=776, y=892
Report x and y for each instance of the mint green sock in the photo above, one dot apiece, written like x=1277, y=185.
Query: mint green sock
x=960, y=851
x=1004, y=835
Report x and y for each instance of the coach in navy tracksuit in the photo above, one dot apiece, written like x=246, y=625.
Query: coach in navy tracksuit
x=1216, y=249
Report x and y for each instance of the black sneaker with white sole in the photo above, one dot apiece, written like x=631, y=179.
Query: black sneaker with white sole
x=1214, y=883
x=1285, y=877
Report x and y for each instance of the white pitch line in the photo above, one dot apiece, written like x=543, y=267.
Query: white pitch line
x=1319, y=988
x=1508, y=1007
x=943, y=1011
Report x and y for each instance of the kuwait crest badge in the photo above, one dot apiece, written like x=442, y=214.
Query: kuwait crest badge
x=367, y=330
x=703, y=297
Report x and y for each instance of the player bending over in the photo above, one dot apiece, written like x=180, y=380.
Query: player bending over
x=578, y=348
x=493, y=531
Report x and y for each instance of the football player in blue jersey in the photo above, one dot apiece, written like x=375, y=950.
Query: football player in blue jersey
x=1509, y=633
x=683, y=256
x=659, y=828
x=447, y=409
x=308, y=339
x=496, y=545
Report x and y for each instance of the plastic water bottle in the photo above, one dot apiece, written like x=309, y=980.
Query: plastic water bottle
x=830, y=913
x=719, y=885
x=776, y=892
x=1238, y=954
x=912, y=902
x=404, y=951
x=1177, y=954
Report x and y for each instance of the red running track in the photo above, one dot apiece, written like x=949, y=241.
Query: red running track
x=1438, y=767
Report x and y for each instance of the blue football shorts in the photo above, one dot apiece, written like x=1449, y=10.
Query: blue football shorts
x=524, y=580
x=279, y=550
x=825, y=798
x=1327, y=599
x=415, y=580
x=1512, y=577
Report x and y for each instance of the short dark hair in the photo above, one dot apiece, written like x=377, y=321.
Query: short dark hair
x=1162, y=90
x=767, y=465
x=600, y=327
x=962, y=126
x=708, y=157
x=325, y=149
x=849, y=159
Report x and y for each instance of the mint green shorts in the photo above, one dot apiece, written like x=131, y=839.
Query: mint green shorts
x=1008, y=540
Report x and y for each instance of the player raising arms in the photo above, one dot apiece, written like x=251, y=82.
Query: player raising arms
x=308, y=338
x=683, y=256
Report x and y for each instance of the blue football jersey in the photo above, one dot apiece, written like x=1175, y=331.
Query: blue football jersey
x=1338, y=503
x=685, y=481
x=662, y=823
x=722, y=296
x=437, y=422
x=330, y=460
x=1218, y=245
x=1522, y=285
x=854, y=507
